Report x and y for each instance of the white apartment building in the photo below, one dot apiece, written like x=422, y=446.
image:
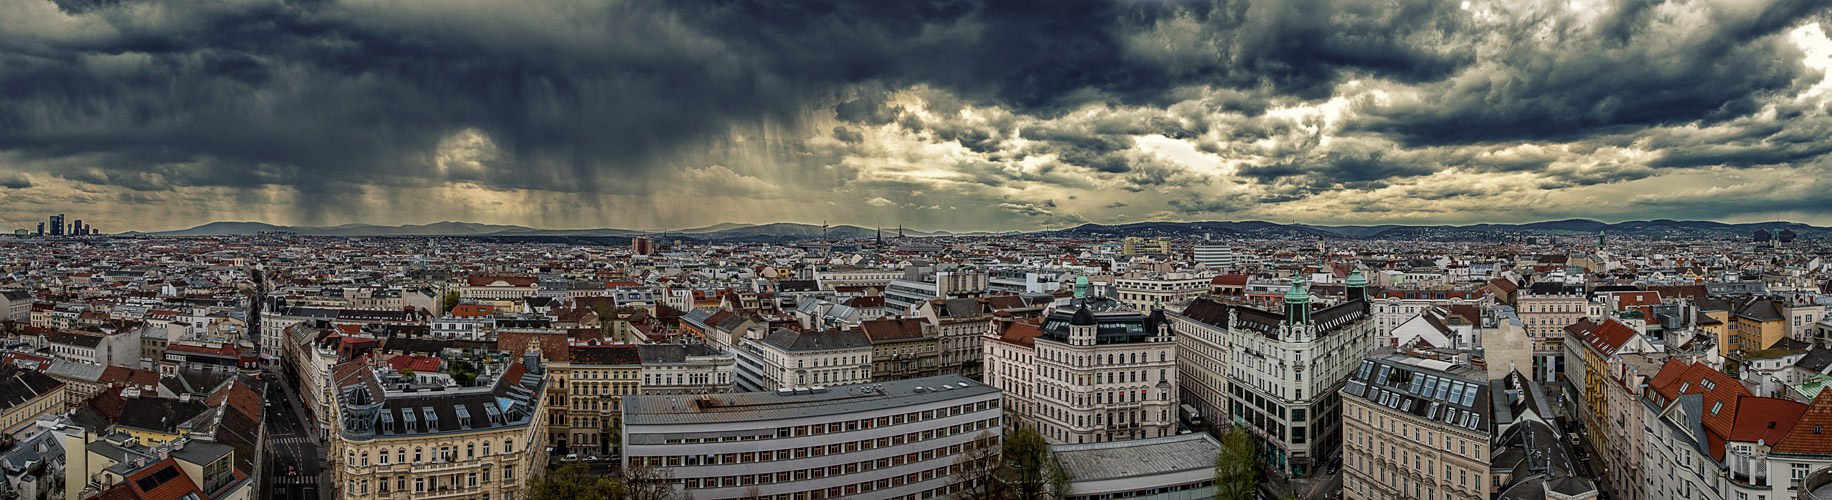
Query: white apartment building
x=1215, y=256
x=1284, y=371
x=1105, y=373
x=1392, y=307
x=1416, y=428
x=16, y=306
x=1161, y=290
x=894, y=439
x=830, y=278
x=792, y=359
x=686, y=369
x=458, y=327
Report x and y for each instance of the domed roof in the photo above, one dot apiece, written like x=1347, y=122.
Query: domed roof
x=1083, y=317
x=1081, y=281
x=1297, y=294
x=1356, y=279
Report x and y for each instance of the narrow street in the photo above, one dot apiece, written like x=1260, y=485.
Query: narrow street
x=295, y=455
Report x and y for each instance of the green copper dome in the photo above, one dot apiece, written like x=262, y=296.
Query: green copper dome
x=1356, y=279
x=1081, y=286
x=1297, y=294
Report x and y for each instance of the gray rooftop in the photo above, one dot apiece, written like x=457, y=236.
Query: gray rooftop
x=1139, y=457
x=776, y=405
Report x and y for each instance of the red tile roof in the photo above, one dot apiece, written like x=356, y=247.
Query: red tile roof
x=426, y=364
x=163, y=480
x=1719, y=392
x=1764, y=419
x=1019, y=333
x=1607, y=337
x=1230, y=280
x=1626, y=300
x=1812, y=434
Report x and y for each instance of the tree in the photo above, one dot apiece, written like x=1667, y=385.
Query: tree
x=974, y=475
x=451, y=301
x=1029, y=471
x=572, y=482
x=1237, y=466
x=642, y=482
x=463, y=373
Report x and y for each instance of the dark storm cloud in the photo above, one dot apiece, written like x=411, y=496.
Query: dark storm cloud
x=1551, y=77
x=329, y=97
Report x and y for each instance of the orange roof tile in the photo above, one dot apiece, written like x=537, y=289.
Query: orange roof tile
x=1812, y=433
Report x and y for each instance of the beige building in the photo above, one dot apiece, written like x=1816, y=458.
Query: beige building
x=1415, y=428
x=28, y=394
x=902, y=348
x=472, y=442
x=1148, y=292
x=1546, y=309
x=586, y=397
x=1134, y=245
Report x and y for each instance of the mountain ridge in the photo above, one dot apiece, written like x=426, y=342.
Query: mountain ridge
x=791, y=231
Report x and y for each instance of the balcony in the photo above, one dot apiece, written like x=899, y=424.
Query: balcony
x=451, y=491
x=1757, y=480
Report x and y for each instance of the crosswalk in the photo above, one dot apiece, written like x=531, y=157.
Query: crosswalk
x=283, y=441
x=289, y=480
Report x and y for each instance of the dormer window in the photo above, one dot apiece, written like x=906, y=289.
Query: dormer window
x=1716, y=406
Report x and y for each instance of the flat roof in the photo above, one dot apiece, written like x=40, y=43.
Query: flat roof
x=778, y=405
x=1137, y=457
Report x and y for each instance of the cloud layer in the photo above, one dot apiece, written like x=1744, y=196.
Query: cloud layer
x=157, y=114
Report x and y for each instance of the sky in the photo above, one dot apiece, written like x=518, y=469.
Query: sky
x=958, y=115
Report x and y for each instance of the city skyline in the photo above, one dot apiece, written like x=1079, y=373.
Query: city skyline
x=959, y=116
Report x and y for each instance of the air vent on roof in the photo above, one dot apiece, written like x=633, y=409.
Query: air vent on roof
x=920, y=389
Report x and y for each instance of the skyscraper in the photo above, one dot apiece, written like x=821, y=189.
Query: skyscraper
x=57, y=225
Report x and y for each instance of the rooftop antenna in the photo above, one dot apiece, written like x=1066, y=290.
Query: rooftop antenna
x=824, y=247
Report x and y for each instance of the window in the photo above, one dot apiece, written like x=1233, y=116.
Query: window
x=419, y=485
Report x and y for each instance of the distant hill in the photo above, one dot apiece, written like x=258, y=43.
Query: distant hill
x=788, y=231
x=1662, y=228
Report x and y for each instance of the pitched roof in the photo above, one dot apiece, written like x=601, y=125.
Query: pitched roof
x=606, y=355
x=794, y=340
x=1719, y=394
x=1019, y=333
x=1760, y=310
x=1764, y=419
x=881, y=330
x=1812, y=433
x=1606, y=337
